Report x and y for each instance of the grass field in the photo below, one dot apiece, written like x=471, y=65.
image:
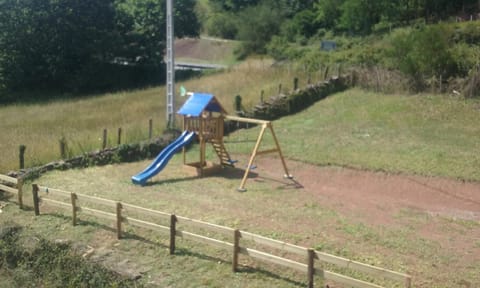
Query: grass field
x=433, y=135
x=293, y=215
x=81, y=122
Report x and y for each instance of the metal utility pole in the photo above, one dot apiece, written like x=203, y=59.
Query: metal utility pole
x=170, y=68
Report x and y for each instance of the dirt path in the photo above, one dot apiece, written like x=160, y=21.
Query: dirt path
x=378, y=196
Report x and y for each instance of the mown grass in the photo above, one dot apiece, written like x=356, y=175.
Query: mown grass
x=292, y=215
x=423, y=134
x=432, y=135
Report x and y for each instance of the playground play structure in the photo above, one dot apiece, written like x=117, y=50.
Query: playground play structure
x=204, y=117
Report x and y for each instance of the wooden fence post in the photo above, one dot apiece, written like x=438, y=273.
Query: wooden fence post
x=119, y=138
x=295, y=83
x=21, y=155
x=408, y=282
x=325, y=73
x=63, y=143
x=236, y=248
x=119, y=220
x=150, y=128
x=280, y=88
x=20, y=192
x=73, y=198
x=104, y=142
x=311, y=267
x=173, y=229
x=36, y=201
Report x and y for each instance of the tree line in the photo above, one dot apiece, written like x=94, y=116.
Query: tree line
x=84, y=46
x=257, y=21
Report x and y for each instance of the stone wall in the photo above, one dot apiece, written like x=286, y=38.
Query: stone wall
x=296, y=101
x=122, y=153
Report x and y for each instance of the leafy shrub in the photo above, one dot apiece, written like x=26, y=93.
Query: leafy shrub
x=223, y=25
x=423, y=53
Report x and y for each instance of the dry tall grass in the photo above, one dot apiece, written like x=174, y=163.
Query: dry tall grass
x=81, y=122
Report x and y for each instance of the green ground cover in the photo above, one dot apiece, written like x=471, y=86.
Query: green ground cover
x=432, y=135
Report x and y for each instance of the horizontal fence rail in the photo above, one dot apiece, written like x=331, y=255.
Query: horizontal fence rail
x=14, y=186
x=240, y=240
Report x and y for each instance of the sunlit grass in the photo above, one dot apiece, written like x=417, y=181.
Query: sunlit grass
x=81, y=122
x=432, y=135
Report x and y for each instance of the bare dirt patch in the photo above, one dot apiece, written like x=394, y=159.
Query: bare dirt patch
x=379, y=196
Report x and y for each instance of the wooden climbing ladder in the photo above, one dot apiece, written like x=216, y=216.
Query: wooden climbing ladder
x=222, y=152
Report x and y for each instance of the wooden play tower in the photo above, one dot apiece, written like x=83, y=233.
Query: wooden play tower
x=204, y=115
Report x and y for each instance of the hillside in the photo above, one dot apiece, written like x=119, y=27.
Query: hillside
x=205, y=50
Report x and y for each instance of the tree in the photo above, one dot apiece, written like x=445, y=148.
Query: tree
x=45, y=43
x=83, y=45
x=361, y=15
x=257, y=25
x=328, y=13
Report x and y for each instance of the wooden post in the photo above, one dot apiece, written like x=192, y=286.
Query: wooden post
x=63, y=143
x=280, y=88
x=173, y=229
x=22, y=149
x=104, y=142
x=119, y=220
x=150, y=128
x=73, y=198
x=236, y=248
x=311, y=267
x=119, y=136
x=250, y=162
x=36, y=201
x=261, y=96
x=295, y=83
x=287, y=174
x=325, y=73
x=408, y=282
x=20, y=192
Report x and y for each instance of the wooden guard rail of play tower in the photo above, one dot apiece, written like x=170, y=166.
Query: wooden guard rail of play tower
x=209, y=130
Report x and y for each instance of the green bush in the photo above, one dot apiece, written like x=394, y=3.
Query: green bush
x=223, y=25
x=424, y=53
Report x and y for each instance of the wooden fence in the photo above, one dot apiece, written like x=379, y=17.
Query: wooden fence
x=238, y=242
x=13, y=185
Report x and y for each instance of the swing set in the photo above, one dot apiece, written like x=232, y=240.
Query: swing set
x=204, y=115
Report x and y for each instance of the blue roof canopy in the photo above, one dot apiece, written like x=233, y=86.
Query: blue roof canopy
x=199, y=102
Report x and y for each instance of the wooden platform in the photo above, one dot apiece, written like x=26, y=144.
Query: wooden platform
x=209, y=168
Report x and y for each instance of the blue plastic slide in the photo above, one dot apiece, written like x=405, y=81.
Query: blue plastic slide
x=162, y=159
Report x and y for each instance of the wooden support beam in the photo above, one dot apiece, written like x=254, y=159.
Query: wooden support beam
x=250, y=162
x=20, y=193
x=246, y=120
x=236, y=249
x=36, y=201
x=311, y=267
x=173, y=230
x=119, y=220
x=73, y=199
